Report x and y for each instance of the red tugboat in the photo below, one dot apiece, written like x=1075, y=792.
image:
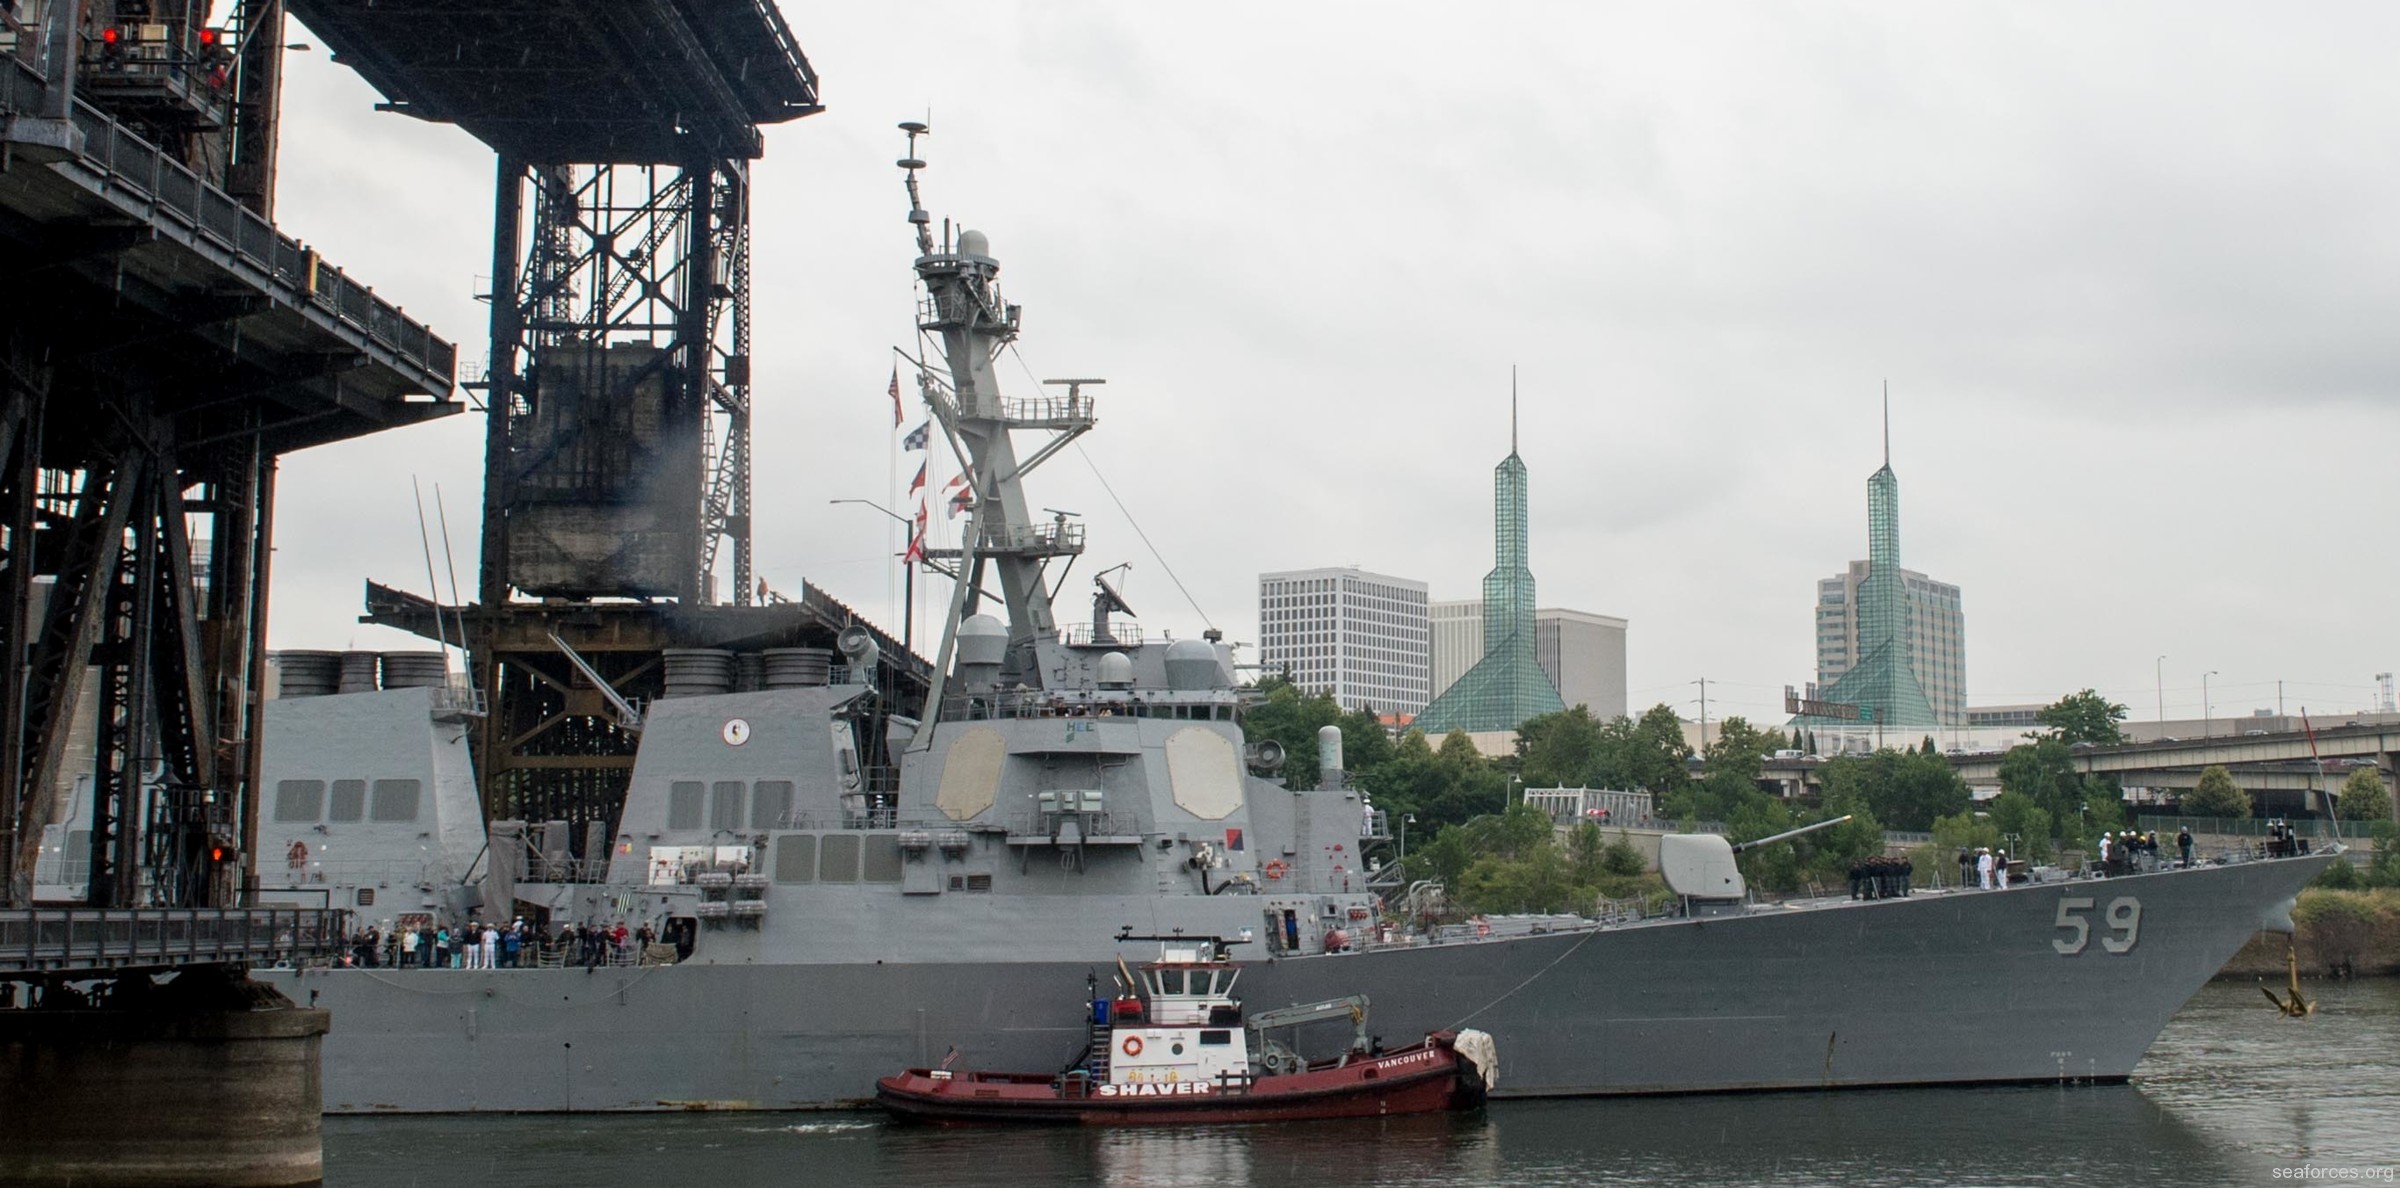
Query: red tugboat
x=1173, y=1046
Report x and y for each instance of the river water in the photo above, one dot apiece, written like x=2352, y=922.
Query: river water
x=2232, y=1093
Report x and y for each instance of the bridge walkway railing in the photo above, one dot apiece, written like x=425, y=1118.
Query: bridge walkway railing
x=94, y=941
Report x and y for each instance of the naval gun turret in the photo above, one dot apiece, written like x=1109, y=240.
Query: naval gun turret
x=1700, y=868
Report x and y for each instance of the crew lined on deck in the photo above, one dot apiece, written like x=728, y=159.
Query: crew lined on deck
x=480, y=944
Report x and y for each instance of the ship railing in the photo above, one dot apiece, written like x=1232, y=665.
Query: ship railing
x=1122, y=633
x=1092, y=825
x=348, y=872
x=1047, y=412
x=541, y=869
x=1051, y=537
x=2165, y=827
x=1202, y=705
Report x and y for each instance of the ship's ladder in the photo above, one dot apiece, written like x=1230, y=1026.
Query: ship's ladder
x=1096, y=1063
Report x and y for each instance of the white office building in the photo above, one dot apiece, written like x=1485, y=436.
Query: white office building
x=1359, y=636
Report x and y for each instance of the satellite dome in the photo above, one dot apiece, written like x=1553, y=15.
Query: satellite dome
x=1192, y=665
x=1116, y=671
x=982, y=640
x=973, y=243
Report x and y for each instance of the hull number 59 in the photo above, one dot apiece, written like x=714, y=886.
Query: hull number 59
x=2123, y=920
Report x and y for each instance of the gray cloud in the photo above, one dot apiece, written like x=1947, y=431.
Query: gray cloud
x=2128, y=269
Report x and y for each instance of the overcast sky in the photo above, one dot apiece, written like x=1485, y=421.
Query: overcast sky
x=2130, y=271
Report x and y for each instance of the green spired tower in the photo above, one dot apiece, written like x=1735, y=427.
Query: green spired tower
x=1508, y=685
x=1883, y=684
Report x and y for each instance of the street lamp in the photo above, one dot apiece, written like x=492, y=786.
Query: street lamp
x=2206, y=714
x=2159, y=673
x=1406, y=819
x=1508, y=797
x=908, y=580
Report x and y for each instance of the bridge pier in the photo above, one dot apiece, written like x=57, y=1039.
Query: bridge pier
x=206, y=1079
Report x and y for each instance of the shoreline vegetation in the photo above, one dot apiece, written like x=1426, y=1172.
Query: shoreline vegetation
x=2340, y=934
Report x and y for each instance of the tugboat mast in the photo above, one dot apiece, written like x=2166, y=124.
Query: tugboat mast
x=962, y=305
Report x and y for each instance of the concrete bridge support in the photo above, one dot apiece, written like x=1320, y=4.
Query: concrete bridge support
x=208, y=1079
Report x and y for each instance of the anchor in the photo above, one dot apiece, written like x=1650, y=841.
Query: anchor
x=2294, y=1007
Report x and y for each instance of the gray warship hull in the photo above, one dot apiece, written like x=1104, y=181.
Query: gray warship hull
x=2051, y=981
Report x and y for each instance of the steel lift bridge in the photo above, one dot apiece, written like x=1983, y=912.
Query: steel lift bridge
x=616, y=515
x=162, y=343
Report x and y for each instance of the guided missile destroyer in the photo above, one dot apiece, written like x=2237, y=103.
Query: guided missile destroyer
x=851, y=889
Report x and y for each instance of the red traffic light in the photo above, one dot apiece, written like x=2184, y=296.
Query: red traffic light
x=216, y=853
x=109, y=35
x=208, y=37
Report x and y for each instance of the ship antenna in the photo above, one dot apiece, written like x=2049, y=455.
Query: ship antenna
x=916, y=205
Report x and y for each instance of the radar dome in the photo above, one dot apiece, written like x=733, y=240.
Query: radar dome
x=982, y=640
x=973, y=243
x=1192, y=664
x=1116, y=671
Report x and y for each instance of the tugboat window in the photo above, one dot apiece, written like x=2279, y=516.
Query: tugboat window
x=1215, y=1037
x=1170, y=981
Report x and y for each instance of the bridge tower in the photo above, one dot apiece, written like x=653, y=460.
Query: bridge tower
x=617, y=463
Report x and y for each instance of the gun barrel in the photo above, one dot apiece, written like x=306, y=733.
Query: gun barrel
x=1788, y=834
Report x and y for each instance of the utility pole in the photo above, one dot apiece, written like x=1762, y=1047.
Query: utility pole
x=2207, y=711
x=1703, y=683
x=2160, y=673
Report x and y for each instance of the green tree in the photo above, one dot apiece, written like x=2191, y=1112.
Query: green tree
x=2016, y=813
x=2078, y=804
x=1622, y=857
x=2364, y=797
x=2215, y=795
x=1964, y=831
x=2383, y=870
x=1562, y=750
x=1904, y=789
x=1292, y=718
x=1646, y=753
x=2084, y=717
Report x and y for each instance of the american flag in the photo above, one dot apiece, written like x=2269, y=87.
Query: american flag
x=896, y=417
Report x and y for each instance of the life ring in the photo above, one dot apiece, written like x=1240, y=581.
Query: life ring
x=1132, y=1045
x=1276, y=869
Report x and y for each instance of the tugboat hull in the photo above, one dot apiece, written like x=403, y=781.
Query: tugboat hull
x=1428, y=1078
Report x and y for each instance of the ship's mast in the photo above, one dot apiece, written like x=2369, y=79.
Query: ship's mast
x=963, y=310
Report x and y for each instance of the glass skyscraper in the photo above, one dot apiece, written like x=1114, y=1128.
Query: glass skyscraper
x=1507, y=685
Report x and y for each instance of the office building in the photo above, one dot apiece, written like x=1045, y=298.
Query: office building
x=1359, y=636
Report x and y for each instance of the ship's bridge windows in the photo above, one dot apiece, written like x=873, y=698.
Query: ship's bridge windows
x=396, y=800
x=299, y=800
x=725, y=805
x=1170, y=981
x=796, y=858
x=349, y=801
x=683, y=804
